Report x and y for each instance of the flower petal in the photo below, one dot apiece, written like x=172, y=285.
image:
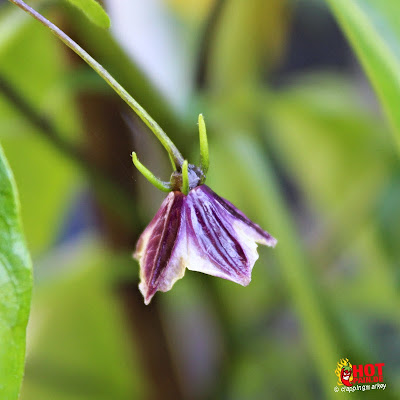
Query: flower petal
x=242, y=221
x=221, y=239
x=161, y=247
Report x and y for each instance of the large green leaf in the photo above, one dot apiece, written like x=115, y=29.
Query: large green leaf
x=15, y=286
x=374, y=32
x=94, y=11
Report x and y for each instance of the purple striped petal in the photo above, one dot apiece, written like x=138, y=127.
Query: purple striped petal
x=221, y=239
x=202, y=232
x=161, y=246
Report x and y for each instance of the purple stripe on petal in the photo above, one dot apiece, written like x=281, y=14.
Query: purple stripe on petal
x=202, y=232
x=156, y=247
x=162, y=240
x=239, y=215
x=222, y=240
x=149, y=229
x=216, y=239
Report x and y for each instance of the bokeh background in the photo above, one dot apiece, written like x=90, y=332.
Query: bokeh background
x=297, y=141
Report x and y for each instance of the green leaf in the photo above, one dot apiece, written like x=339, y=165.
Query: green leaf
x=15, y=287
x=94, y=11
x=373, y=30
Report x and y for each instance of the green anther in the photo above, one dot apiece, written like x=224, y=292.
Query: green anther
x=204, y=159
x=159, y=184
x=185, y=178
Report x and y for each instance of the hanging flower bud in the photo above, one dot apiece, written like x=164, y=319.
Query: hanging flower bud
x=195, y=229
x=202, y=232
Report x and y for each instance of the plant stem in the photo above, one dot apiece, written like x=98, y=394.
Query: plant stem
x=139, y=110
x=172, y=162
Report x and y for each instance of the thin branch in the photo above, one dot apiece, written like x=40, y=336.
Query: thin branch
x=136, y=107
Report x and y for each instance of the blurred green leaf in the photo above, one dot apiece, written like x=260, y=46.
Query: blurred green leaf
x=334, y=149
x=15, y=286
x=248, y=34
x=46, y=181
x=94, y=11
x=388, y=215
x=256, y=192
x=373, y=30
x=282, y=357
x=327, y=140
x=12, y=20
x=79, y=342
x=102, y=45
x=373, y=284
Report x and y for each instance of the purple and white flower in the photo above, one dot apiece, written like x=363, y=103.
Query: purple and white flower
x=202, y=232
x=194, y=229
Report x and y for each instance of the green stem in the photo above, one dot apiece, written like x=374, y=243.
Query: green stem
x=204, y=158
x=172, y=162
x=158, y=183
x=139, y=110
x=185, y=178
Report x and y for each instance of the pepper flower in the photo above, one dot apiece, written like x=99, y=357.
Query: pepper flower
x=195, y=229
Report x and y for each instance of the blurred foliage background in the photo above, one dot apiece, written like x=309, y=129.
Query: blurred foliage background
x=298, y=142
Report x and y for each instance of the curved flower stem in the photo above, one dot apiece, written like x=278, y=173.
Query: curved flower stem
x=185, y=178
x=204, y=158
x=172, y=162
x=158, y=183
x=139, y=110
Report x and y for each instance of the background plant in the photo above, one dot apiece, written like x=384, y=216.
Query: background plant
x=297, y=141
